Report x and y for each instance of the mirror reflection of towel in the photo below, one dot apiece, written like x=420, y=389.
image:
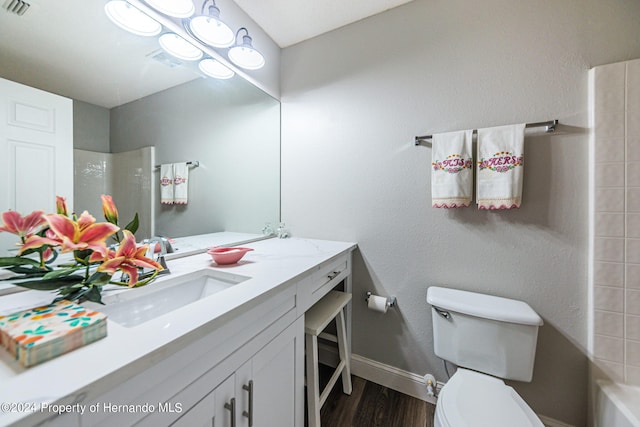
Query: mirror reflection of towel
x=180, y=183
x=166, y=184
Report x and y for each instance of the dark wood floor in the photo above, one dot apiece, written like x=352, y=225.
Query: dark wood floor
x=372, y=405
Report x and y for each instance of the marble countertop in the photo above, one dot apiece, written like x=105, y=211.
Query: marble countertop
x=273, y=262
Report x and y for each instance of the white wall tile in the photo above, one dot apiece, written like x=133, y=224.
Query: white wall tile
x=609, y=225
x=633, y=199
x=608, y=249
x=608, y=274
x=633, y=225
x=633, y=251
x=633, y=98
x=633, y=327
x=608, y=103
x=633, y=147
x=632, y=276
x=609, y=174
x=632, y=376
x=608, y=323
x=615, y=371
x=633, y=174
x=608, y=348
x=609, y=199
x=632, y=302
x=608, y=299
x=609, y=149
x=632, y=352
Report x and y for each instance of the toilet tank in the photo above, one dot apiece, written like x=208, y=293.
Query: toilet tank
x=489, y=334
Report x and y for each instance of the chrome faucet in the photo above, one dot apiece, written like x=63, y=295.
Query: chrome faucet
x=165, y=248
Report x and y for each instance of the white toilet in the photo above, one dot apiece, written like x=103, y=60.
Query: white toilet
x=489, y=339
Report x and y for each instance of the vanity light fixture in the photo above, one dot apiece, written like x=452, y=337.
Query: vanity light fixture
x=132, y=19
x=244, y=55
x=179, y=47
x=175, y=8
x=210, y=29
x=215, y=69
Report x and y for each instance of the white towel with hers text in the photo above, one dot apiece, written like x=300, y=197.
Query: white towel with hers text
x=180, y=183
x=500, y=167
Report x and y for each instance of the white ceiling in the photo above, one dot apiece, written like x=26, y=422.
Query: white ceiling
x=291, y=21
x=42, y=48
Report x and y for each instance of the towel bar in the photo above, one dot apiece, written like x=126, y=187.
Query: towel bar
x=550, y=126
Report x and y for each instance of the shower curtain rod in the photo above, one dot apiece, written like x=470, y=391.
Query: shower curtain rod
x=194, y=164
x=550, y=126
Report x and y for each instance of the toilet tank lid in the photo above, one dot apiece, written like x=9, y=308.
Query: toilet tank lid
x=485, y=306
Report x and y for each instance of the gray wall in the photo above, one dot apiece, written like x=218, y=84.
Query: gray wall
x=233, y=130
x=90, y=127
x=352, y=101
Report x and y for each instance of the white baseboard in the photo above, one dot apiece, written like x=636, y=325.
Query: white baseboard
x=408, y=382
x=396, y=379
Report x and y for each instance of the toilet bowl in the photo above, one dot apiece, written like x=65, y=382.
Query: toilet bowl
x=473, y=399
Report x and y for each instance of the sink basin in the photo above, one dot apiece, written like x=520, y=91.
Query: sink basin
x=136, y=306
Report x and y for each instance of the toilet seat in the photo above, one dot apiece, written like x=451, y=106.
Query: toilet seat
x=473, y=399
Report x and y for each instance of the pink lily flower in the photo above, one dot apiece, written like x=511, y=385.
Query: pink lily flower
x=128, y=258
x=61, y=206
x=71, y=235
x=22, y=226
x=109, y=209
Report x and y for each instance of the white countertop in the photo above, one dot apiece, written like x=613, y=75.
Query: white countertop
x=273, y=263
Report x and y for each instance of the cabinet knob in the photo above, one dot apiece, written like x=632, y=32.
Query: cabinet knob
x=231, y=406
x=249, y=414
x=333, y=275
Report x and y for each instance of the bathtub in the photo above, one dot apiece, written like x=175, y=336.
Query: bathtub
x=617, y=405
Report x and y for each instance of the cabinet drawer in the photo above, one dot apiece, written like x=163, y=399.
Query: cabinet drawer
x=319, y=283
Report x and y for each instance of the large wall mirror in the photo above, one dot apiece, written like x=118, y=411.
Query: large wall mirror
x=129, y=96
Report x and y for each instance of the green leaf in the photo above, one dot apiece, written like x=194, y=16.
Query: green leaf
x=94, y=295
x=50, y=284
x=133, y=225
x=99, y=278
x=60, y=273
x=13, y=261
x=83, y=255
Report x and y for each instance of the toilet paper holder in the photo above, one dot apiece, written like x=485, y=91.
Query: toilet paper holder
x=391, y=301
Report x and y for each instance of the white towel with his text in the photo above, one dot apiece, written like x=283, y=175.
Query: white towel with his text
x=452, y=169
x=166, y=184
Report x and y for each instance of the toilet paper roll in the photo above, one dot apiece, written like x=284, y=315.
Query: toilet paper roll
x=377, y=303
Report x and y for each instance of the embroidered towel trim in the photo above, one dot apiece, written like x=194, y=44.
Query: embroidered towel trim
x=166, y=184
x=180, y=183
x=500, y=167
x=452, y=169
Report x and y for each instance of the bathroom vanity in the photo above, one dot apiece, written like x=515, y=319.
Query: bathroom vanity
x=219, y=342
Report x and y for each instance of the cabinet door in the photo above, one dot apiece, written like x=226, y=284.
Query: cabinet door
x=211, y=410
x=277, y=382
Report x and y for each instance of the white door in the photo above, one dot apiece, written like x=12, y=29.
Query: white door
x=36, y=151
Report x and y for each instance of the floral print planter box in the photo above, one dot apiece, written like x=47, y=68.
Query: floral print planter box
x=39, y=334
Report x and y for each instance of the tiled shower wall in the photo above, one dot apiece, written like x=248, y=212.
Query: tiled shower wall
x=127, y=176
x=615, y=115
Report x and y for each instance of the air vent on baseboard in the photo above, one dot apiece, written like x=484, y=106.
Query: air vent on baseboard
x=19, y=7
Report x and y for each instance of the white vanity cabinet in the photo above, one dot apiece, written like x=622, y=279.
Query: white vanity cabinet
x=262, y=392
